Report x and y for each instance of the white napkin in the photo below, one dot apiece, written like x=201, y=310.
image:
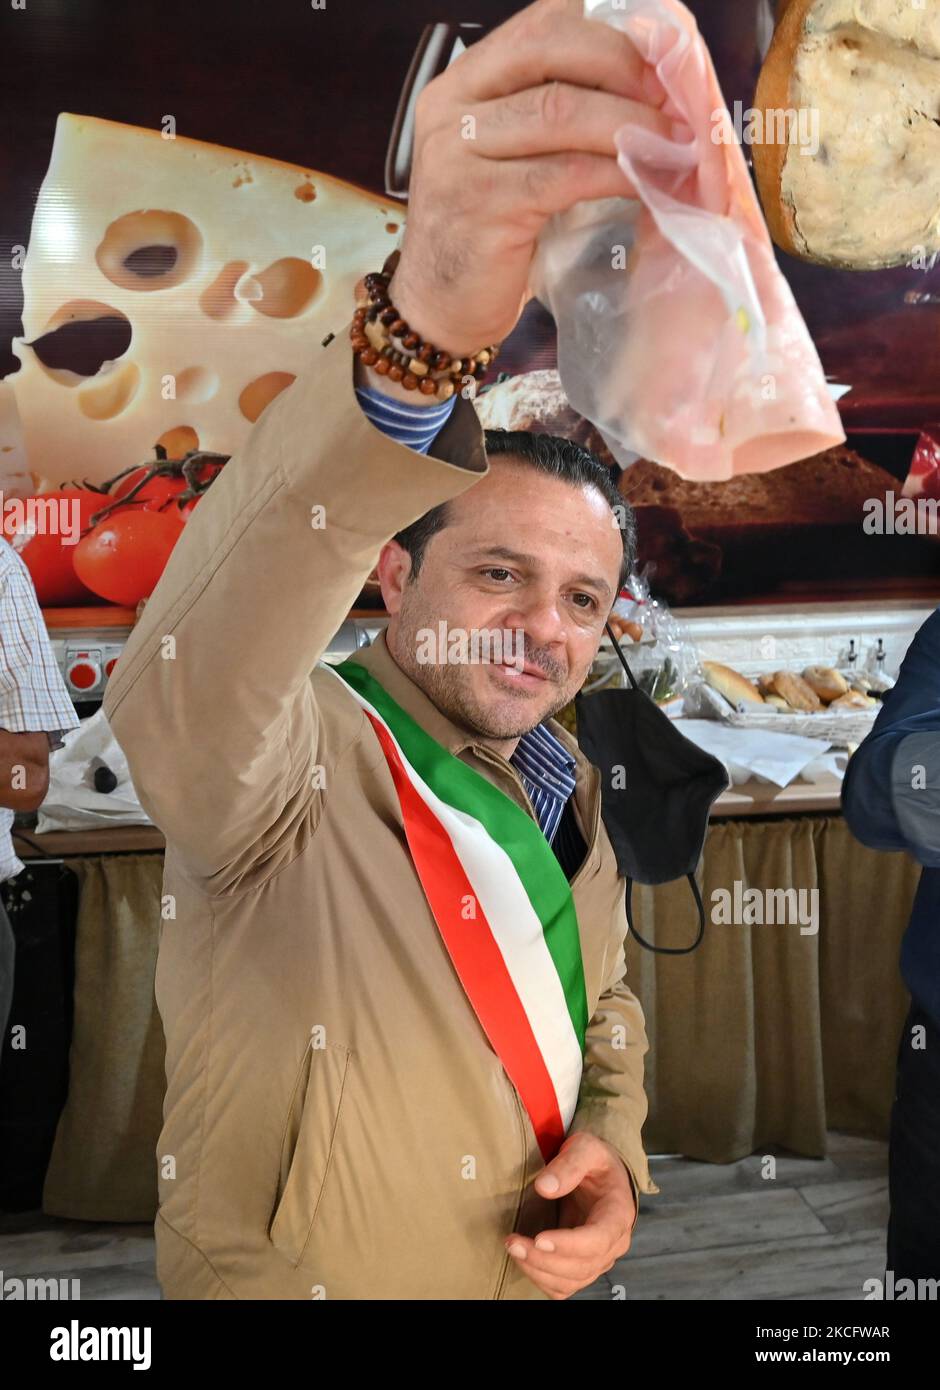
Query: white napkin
x=776, y=758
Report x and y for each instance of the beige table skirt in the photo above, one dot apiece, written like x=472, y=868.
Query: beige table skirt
x=765, y=1035
x=762, y=1037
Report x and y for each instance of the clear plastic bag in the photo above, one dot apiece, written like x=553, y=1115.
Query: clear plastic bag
x=664, y=659
x=678, y=336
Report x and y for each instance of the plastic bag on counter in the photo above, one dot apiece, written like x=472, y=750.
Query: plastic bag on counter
x=77, y=774
x=663, y=657
x=678, y=335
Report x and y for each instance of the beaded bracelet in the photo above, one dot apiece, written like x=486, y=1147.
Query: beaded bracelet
x=416, y=364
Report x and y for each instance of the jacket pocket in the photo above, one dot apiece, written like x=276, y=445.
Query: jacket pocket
x=307, y=1148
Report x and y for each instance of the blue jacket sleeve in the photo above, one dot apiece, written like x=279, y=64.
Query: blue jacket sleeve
x=891, y=792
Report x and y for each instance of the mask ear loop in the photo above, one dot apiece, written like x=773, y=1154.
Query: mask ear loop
x=628, y=897
x=623, y=660
x=668, y=950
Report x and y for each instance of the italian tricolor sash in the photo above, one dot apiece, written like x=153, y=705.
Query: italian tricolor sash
x=502, y=904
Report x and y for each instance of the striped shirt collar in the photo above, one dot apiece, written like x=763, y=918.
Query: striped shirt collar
x=547, y=770
x=545, y=760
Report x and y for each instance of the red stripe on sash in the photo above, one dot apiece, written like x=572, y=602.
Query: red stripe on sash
x=475, y=955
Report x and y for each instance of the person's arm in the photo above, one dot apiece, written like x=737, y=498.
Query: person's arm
x=612, y=1104
x=35, y=707
x=211, y=699
x=24, y=770
x=891, y=791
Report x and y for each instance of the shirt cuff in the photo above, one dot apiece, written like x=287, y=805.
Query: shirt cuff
x=414, y=425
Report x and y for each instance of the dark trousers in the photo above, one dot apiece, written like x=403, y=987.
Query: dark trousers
x=914, y=1157
x=7, y=958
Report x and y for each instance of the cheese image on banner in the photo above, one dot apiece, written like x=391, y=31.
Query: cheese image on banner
x=172, y=289
x=15, y=480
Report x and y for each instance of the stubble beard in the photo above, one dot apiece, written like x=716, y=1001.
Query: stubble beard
x=447, y=684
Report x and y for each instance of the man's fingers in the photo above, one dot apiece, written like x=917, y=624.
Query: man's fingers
x=526, y=52
x=580, y=1154
x=592, y=1241
x=556, y=118
x=550, y=183
x=576, y=1269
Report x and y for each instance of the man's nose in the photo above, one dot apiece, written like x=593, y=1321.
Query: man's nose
x=541, y=617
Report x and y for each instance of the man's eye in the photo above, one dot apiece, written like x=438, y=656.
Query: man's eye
x=496, y=571
x=591, y=601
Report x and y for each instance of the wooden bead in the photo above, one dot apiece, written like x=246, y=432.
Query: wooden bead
x=359, y=340
x=376, y=335
x=409, y=381
x=441, y=360
x=382, y=366
x=369, y=357
x=410, y=341
x=395, y=372
x=388, y=316
x=427, y=386
x=445, y=389
x=398, y=328
x=426, y=352
x=418, y=367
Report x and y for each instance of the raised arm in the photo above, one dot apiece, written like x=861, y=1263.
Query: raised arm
x=211, y=699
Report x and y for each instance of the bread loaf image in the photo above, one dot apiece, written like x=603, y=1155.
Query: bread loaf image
x=847, y=148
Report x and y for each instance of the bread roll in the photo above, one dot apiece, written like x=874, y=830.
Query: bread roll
x=776, y=701
x=853, y=699
x=731, y=684
x=794, y=689
x=827, y=683
x=852, y=177
x=624, y=627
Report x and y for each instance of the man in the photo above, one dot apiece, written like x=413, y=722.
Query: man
x=891, y=801
x=35, y=710
x=401, y=1059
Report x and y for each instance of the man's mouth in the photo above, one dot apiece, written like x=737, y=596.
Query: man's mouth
x=528, y=677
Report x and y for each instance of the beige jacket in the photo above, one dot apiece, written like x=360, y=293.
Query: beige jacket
x=335, y=1123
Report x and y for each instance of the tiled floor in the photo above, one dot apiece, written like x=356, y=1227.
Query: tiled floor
x=814, y=1231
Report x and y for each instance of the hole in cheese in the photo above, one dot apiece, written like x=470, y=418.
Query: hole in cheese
x=149, y=250
x=196, y=384
x=287, y=287
x=178, y=441
x=261, y=392
x=151, y=260
x=81, y=336
x=113, y=394
x=218, y=300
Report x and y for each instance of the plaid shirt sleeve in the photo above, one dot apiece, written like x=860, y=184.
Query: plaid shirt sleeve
x=33, y=696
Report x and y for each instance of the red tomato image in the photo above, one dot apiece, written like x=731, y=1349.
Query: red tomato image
x=59, y=517
x=124, y=556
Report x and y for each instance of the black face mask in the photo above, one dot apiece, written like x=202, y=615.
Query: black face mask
x=657, y=788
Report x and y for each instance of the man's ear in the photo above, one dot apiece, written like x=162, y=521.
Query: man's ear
x=394, y=570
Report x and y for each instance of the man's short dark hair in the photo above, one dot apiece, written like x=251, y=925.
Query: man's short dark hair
x=549, y=454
